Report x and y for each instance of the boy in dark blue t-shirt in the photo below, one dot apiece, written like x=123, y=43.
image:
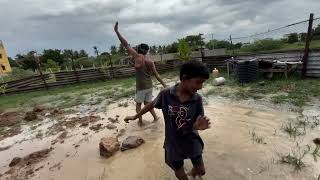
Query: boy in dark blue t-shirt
x=183, y=115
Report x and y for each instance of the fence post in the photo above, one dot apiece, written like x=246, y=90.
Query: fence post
x=37, y=60
x=74, y=69
x=306, y=48
x=111, y=65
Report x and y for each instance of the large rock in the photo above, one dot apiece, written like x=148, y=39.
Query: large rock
x=131, y=142
x=108, y=146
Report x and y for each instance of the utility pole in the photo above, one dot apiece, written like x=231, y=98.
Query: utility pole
x=212, y=40
x=231, y=45
x=200, y=35
x=306, y=49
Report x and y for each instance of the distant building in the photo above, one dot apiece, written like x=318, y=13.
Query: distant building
x=4, y=62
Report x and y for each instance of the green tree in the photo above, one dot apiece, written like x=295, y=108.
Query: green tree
x=184, y=50
x=159, y=50
x=76, y=55
x=83, y=53
x=263, y=45
x=12, y=62
x=210, y=44
x=219, y=44
x=303, y=37
x=113, y=50
x=53, y=54
x=84, y=61
x=153, y=50
x=67, y=54
x=122, y=50
x=54, y=66
x=223, y=44
x=238, y=45
x=172, y=48
x=292, y=38
x=27, y=61
x=194, y=41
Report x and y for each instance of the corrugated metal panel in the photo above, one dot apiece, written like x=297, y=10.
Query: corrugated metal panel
x=313, y=66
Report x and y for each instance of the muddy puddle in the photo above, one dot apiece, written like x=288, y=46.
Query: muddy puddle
x=231, y=152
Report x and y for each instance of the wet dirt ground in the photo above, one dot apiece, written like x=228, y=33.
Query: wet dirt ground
x=230, y=152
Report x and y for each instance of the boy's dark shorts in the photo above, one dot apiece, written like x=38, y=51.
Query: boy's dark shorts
x=176, y=165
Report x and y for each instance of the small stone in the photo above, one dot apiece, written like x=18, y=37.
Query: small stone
x=85, y=124
x=316, y=141
x=96, y=127
x=113, y=120
x=111, y=126
x=30, y=116
x=15, y=161
x=38, y=109
x=131, y=142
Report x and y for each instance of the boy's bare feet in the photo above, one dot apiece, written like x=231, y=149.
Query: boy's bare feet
x=140, y=123
x=156, y=119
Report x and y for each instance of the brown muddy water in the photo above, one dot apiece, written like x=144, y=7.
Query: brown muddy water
x=230, y=152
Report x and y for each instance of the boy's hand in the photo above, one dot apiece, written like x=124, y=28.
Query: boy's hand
x=128, y=118
x=202, y=123
x=116, y=27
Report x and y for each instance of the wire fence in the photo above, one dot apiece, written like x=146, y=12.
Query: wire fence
x=289, y=37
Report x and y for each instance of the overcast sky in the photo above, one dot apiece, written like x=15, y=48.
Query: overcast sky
x=81, y=24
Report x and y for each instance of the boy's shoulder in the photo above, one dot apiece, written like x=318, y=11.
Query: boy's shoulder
x=167, y=90
x=171, y=91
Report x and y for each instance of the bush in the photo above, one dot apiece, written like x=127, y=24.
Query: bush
x=263, y=45
x=184, y=50
x=18, y=73
x=292, y=38
x=54, y=66
x=84, y=61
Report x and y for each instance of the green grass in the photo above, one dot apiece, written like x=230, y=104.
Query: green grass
x=279, y=90
x=72, y=95
x=315, y=44
x=2, y=129
x=256, y=138
x=69, y=95
x=295, y=158
x=293, y=90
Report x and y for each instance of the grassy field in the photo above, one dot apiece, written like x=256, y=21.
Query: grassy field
x=315, y=44
x=70, y=95
x=293, y=90
x=76, y=94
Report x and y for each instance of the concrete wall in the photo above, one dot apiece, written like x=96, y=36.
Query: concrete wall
x=194, y=55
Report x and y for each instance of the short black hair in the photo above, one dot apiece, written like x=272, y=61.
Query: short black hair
x=193, y=69
x=143, y=49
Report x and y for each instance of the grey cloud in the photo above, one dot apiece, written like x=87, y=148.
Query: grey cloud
x=81, y=24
